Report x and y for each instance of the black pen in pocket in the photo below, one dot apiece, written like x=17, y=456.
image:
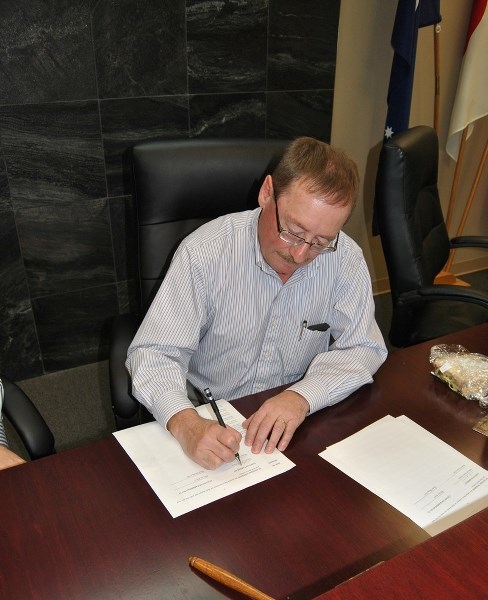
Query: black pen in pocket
x=317, y=327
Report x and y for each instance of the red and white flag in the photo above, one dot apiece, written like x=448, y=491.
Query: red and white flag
x=471, y=102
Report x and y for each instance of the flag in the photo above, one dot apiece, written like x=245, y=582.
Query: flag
x=410, y=15
x=471, y=101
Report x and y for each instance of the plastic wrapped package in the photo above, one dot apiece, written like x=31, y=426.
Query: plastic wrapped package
x=465, y=372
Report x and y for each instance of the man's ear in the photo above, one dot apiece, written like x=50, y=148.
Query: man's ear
x=266, y=192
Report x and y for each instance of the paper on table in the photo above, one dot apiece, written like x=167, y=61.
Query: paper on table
x=181, y=484
x=420, y=475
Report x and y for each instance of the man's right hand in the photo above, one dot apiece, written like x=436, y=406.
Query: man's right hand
x=203, y=440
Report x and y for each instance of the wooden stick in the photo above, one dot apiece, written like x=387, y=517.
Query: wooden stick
x=437, y=95
x=469, y=202
x=457, y=175
x=226, y=578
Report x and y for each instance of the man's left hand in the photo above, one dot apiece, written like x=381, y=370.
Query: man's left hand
x=275, y=421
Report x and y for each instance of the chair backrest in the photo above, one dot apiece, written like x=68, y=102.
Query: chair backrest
x=179, y=185
x=408, y=210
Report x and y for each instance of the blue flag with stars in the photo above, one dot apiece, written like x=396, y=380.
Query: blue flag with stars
x=410, y=15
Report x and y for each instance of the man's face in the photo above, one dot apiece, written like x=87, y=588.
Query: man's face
x=301, y=212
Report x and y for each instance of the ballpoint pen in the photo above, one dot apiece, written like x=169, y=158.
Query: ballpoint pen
x=216, y=410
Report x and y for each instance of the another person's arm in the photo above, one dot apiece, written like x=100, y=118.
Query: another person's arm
x=7, y=457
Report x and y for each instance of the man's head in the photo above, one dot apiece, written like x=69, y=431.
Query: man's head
x=305, y=203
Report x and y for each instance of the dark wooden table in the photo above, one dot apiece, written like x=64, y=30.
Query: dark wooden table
x=449, y=566
x=85, y=524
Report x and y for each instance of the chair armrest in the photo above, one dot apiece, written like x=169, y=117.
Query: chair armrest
x=445, y=292
x=125, y=407
x=27, y=421
x=470, y=241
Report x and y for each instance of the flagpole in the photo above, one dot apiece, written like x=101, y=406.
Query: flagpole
x=469, y=202
x=445, y=277
x=437, y=31
x=456, y=178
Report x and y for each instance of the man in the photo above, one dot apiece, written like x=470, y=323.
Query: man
x=7, y=457
x=263, y=298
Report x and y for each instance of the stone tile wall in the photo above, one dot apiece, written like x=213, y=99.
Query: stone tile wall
x=81, y=81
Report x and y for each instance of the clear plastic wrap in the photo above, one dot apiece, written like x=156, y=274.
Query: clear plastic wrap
x=464, y=372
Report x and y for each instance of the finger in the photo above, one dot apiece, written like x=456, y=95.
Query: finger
x=277, y=432
x=286, y=437
x=257, y=431
x=262, y=433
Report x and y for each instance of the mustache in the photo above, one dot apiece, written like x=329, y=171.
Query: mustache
x=287, y=258
x=290, y=260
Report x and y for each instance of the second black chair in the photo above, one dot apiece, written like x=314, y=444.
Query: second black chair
x=178, y=186
x=416, y=243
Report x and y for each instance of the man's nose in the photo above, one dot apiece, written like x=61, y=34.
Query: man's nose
x=300, y=253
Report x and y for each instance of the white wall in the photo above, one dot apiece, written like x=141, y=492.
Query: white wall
x=364, y=58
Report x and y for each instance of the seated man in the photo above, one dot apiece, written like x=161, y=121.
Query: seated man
x=7, y=457
x=259, y=299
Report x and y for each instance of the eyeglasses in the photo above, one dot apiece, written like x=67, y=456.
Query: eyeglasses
x=296, y=240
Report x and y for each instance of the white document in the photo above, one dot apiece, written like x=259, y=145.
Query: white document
x=181, y=484
x=420, y=475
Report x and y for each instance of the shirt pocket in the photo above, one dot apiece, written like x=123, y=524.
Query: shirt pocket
x=303, y=351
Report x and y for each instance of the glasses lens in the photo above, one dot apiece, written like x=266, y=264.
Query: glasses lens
x=291, y=239
x=296, y=240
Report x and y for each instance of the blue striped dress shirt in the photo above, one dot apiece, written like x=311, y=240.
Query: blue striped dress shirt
x=223, y=319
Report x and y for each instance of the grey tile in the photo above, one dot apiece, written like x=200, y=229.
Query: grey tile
x=292, y=114
x=19, y=348
x=66, y=246
x=227, y=45
x=47, y=51
x=302, y=44
x=53, y=151
x=228, y=115
x=140, y=47
x=132, y=120
x=73, y=328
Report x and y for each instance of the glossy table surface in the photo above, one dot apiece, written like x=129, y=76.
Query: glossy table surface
x=451, y=566
x=85, y=524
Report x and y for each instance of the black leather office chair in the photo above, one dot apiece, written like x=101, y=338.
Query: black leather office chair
x=178, y=186
x=27, y=421
x=416, y=244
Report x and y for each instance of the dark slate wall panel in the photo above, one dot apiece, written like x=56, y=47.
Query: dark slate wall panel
x=81, y=82
x=47, y=51
x=227, y=44
x=53, y=152
x=140, y=47
x=302, y=44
